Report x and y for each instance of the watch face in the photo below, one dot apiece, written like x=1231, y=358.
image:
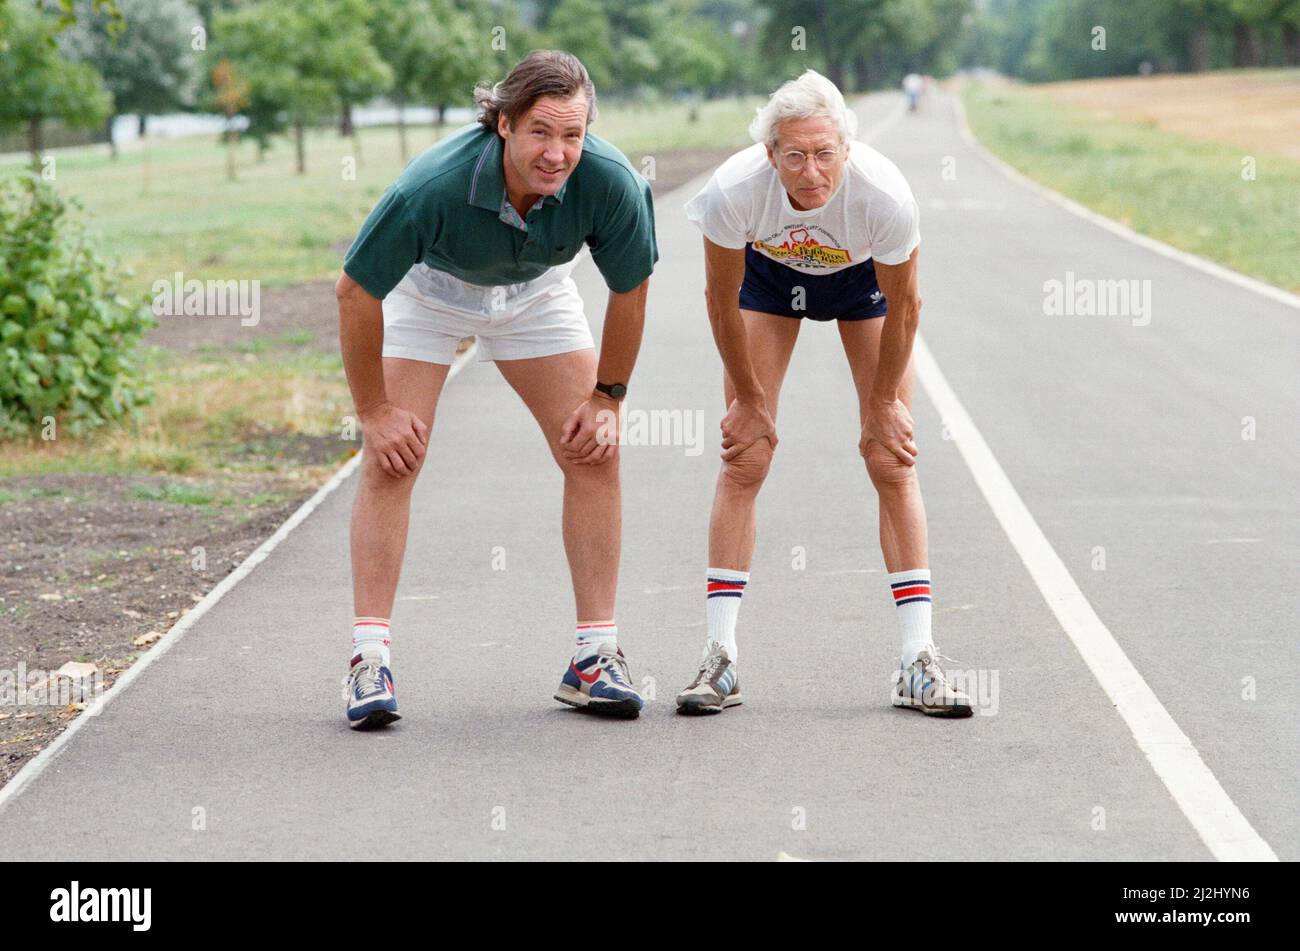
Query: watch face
x=618, y=391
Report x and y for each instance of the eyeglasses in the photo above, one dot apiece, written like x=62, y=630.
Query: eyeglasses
x=794, y=161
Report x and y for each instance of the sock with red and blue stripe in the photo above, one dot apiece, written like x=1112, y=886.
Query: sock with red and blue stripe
x=371, y=634
x=911, y=590
x=724, y=588
x=591, y=634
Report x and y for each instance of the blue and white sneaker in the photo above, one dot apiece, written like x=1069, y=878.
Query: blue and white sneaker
x=924, y=686
x=600, y=684
x=716, y=685
x=369, y=691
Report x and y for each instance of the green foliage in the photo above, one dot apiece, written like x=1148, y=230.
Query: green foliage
x=436, y=51
x=67, y=334
x=303, y=59
x=149, y=64
x=36, y=82
x=862, y=43
x=1054, y=40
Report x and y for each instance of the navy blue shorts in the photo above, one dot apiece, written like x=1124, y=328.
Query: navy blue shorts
x=850, y=293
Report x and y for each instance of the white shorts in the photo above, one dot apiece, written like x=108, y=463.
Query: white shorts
x=428, y=313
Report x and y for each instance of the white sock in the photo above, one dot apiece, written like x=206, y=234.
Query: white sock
x=911, y=590
x=722, y=606
x=591, y=634
x=371, y=634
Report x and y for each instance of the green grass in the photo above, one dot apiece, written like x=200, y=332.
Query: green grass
x=1186, y=193
x=169, y=207
x=174, y=492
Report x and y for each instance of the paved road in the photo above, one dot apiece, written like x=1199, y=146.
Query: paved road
x=1119, y=436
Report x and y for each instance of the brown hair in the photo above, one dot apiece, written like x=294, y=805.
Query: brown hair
x=540, y=73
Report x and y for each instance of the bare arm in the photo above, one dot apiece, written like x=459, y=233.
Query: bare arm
x=620, y=340
x=747, y=419
x=724, y=272
x=590, y=434
x=888, y=420
x=397, y=437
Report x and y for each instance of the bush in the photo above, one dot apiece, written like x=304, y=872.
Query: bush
x=67, y=332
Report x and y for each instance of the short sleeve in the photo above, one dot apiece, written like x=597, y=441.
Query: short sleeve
x=894, y=240
x=714, y=215
x=623, y=241
x=388, y=245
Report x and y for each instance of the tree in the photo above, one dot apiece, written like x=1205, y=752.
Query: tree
x=230, y=96
x=433, y=49
x=580, y=27
x=149, y=65
x=302, y=60
x=38, y=83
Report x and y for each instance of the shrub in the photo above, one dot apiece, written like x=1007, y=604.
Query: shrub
x=67, y=331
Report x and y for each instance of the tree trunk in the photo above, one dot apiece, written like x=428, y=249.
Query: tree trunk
x=108, y=134
x=442, y=116
x=1250, y=51
x=835, y=72
x=142, y=118
x=401, y=128
x=299, y=148
x=232, y=140
x=861, y=74
x=1198, y=49
x=35, y=142
x=1291, y=44
x=345, y=122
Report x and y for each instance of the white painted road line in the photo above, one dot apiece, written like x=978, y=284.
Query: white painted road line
x=24, y=776
x=1225, y=831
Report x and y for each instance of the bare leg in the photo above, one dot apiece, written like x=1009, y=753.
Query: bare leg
x=552, y=388
x=382, y=508
x=902, y=513
x=733, y=523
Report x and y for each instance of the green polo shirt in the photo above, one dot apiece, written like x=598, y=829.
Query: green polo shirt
x=448, y=209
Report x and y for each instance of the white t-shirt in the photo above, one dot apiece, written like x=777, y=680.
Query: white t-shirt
x=871, y=215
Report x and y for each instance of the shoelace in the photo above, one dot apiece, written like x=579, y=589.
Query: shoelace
x=712, y=664
x=935, y=672
x=365, y=676
x=616, y=664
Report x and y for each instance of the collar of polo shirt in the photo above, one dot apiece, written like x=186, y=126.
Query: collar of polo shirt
x=487, y=185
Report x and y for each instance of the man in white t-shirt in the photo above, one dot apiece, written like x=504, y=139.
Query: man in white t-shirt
x=808, y=224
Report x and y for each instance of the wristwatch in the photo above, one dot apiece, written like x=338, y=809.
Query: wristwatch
x=615, y=391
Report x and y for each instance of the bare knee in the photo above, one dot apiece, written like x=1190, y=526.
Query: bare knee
x=595, y=473
x=888, y=472
x=747, y=471
x=374, y=476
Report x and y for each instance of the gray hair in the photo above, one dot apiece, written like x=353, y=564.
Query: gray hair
x=810, y=96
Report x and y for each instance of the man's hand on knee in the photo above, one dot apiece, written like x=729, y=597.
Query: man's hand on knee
x=397, y=437
x=889, y=425
x=590, y=434
x=746, y=422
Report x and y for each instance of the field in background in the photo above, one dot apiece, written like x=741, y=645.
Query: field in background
x=1110, y=145
x=1258, y=111
x=167, y=206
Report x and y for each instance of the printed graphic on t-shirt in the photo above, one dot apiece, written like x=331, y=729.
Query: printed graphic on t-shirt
x=808, y=245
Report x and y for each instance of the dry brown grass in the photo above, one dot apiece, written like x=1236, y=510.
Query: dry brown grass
x=1257, y=111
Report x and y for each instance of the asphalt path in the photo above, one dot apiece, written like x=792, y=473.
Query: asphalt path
x=1122, y=437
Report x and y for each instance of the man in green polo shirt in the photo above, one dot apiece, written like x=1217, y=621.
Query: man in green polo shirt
x=478, y=238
